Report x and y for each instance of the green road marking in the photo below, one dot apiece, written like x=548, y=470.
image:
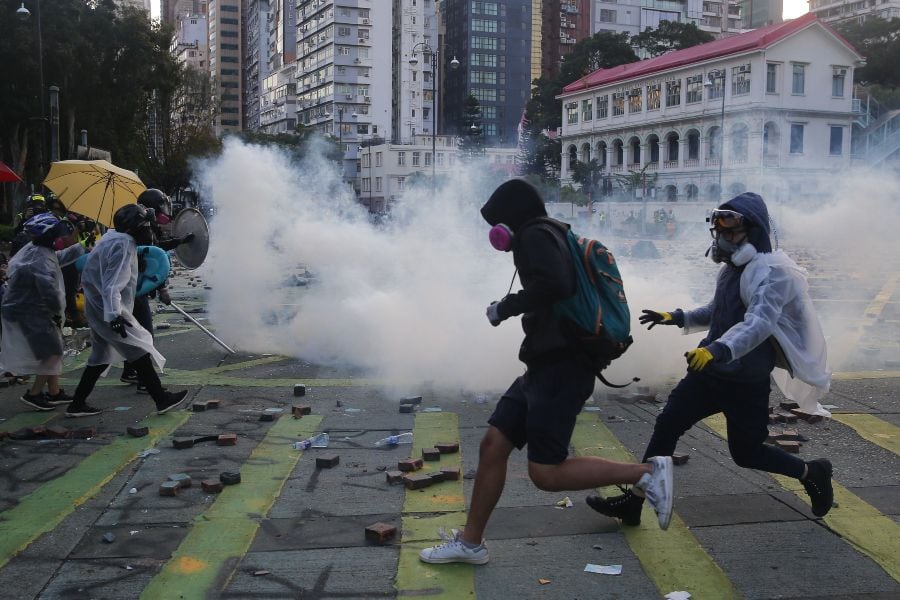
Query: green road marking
x=851, y=375
x=673, y=559
x=416, y=579
x=854, y=520
x=255, y=362
x=177, y=377
x=45, y=507
x=870, y=427
x=221, y=536
x=29, y=419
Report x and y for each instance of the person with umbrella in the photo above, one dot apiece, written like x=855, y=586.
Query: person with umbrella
x=33, y=307
x=109, y=281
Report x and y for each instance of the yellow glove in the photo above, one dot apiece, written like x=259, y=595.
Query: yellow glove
x=698, y=358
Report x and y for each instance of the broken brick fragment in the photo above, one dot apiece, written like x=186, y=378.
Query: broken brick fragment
x=169, y=488
x=411, y=400
x=394, y=477
x=380, y=533
x=4, y=435
x=212, y=404
x=799, y=414
x=788, y=446
x=417, y=481
x=39, y=431
x=134, y=431
x=407, y=408
x=410, y=464
x=327, y=461
x=230, y=477
x=679, y=458
x=788, y=405
x=436, y=476
x=182, y=443
x=227, y=439
x=447, y=447
x=182, y=479
x=84, y=433
x=266, y=416
x=300, y=410
x=211, y=486
x=431, y=454
x=789, y=417
x=790, y=435
x=58, y=432
x=450, y=473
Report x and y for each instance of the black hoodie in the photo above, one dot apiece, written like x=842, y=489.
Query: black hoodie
x=545, y=266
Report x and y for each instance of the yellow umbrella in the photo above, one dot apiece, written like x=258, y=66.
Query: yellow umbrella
x=93, y=188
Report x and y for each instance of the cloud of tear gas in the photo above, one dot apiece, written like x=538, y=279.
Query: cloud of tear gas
x=404, y=302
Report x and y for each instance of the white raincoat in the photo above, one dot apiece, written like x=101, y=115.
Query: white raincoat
x=775, y=291
x=109, y=281
x=35, y=295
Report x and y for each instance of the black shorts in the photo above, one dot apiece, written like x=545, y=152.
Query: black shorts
x=540, y=408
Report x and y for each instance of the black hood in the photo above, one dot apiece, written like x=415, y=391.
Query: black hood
x=753, y=207
x=514, y=203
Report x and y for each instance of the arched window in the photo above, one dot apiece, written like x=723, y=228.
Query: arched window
x=573, y=157
x=618, y=153
x=693, y=144
x=715, y=142
x=653, y=145
x=771, y=140
x=585, y=153
x=672, y=143
x=737, y=188
x=714, y=192
x=671, y=193
x=691, y=192
x=739, y=143
x=601, y=153
x=634, y=151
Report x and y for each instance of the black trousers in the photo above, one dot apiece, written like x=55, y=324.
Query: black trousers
x=746, y=409
x=70, y=281
x=146, y=374
x=143, y=315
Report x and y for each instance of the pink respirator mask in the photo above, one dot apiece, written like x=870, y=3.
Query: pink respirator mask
x=501, y=237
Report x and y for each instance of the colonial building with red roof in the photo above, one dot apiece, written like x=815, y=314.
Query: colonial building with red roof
x=769, y=111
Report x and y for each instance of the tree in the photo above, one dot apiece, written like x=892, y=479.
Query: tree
x=587, y=175
x=670, y=35
x=538, y=154
x=879, y=41
x=471, y=143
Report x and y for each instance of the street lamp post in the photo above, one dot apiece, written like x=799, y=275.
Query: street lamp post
x=24, y=15
x=709, y=85
x=435, y=93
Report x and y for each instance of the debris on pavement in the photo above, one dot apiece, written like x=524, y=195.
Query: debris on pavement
x=565, y=503
x=380, y=533
x=109, y=537
x=603, y=569
x=678, y=596
x=543, y=581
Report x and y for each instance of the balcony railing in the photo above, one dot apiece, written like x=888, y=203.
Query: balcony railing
x=615, y=169
x=670, y=164
x=738, y=160
x=691, y=162
x=652, y=166
x=712, y=162
x=772, y=160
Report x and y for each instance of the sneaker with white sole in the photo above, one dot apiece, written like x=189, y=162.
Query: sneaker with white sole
x=659, y=489
x=454, y=550
x=81, y=409
x=36, y=401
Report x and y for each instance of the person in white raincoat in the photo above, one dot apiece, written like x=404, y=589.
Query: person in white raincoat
x=33, y=310
x=760, y=317
x=109, y=281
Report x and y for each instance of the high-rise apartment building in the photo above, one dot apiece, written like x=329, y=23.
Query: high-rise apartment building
x=760, y=13
x=278, y=97
x=564, y=23
x=494, y=39
x=225, y=63
x=722, y=18
x=255, y=50
x=417, y=62
x=191, y=42
x=172, y=10
x=834, y=11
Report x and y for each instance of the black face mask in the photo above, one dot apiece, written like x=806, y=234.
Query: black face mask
x=143, y=235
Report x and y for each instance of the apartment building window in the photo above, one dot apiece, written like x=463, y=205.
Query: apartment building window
x=587, y=110
x=484, y=77
x=343, y=31
x=401, y=182
x=484, y=43
x=836, y=141
x=428, y=159
x=378, y=184
x=798, y=79
x=771, y=78
x=571, y=113
x=654, y=96
x=602, y=106
x=229, y=34
x=694, y=89
x=607, y=16
x=488, y=112
x=635, y=101
x=378, y=159
x=401, y=159
x=740, y=80
x=618, y=102
x=484, y=25
x=673, y=93
x=483, y=60
x=485, y=94
x=796, y=138
x=415, y=158
x=229, y=21
x=484, y=8
x=717, y=79
x=838, y=75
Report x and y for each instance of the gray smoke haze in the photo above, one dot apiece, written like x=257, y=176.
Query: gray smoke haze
x=406, y=302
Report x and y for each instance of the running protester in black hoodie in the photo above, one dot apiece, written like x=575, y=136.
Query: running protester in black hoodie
x=540, y=407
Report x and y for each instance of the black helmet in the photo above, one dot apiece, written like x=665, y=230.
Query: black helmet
x=155, y=199
x=131, y=217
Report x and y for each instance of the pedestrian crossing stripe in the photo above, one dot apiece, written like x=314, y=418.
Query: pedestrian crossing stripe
x=43, y=509
x=857, y=522
x=672, y=559
x=871, y=428
x=222, y=535
x=420, y=524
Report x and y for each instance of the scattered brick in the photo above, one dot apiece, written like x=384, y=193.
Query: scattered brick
x=169, y=488
x=380, y=533
x=788, y=417
x=300, y=410
x=417, y=482
x=680, y=458
x=327, y=461
x=137, y=431
x=4, y=435
x=26, y=433
x=198, y=406
x=84, y=433
x=182, y=443
x=211, y=486
x=212, y=404
x=450, y=473
x=407, y=408
x=227, y=439
x=410, y=464
x=109, y=537
x=436, y=476
x=447, y=447
x=807, y=417
x=394, y=477
x=58, y=432
x=788, y=405
x=431, y=454
x=791, y=447
x=789, y=435
x=182, y=479
x=775, y=419
x=299, y=390
x=266, y=416
x=39, y=431
x=411, y=400
x=230, y=478
x=261, y=572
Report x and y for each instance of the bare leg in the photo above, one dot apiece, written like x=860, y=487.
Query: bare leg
x=585, y=472
x=38, y=386
x=53, y=384
x=489, y=481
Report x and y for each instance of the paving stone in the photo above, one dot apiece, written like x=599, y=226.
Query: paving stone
x=436, y=476
x=212, y=404
x=411, y=400
x=788, y=446
x=300, y=410
x=447, y=447
x=327, y=461
x=791, y=435
x=198, y=406
x=394, y=477
x=84, y=433
x=431, y=454
x=417, y=481
x=169, y=488
x=788, y=405
x=182, y=443
x=266, y=417
x=182, y=479
x=58, y=432
x=380, y=533
x=407, y=408
x=227, y=439
x=39, y=431
x=211, y=486
x=410, y=464
x=799, y=414
x=450, y=473
x=230, y=477
x=680, y=458
x=136, y=431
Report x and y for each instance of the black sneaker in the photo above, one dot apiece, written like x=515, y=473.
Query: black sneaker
x=129, y=376
x=81, y=410
x=36, y=401
x=142, y=389
x=818, y=485
x=171, y=400
x=626, y=507
x=59, y=398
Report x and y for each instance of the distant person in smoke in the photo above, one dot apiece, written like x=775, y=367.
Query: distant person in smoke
x=109, y=280
x=540, y=408
x=760, y=317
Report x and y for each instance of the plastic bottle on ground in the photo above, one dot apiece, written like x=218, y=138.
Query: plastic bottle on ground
x=317, y=441
x=396, y=440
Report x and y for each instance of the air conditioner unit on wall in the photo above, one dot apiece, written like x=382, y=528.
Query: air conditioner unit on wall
x=840, y=72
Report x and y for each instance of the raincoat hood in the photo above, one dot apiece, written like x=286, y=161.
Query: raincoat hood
x=513, y=203
x=753, y=207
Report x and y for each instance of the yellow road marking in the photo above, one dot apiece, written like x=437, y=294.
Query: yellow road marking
x=873, y=429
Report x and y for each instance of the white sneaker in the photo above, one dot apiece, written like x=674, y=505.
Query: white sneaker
x=453, y=550
x=659, y=488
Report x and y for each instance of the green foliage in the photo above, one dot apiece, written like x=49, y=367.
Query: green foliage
x=632, y=181
x=7, y=232
x=587, y=175
x=538, y=154
x=572, y=196
x=879, y=41
x=471, y=143
x=670, y=35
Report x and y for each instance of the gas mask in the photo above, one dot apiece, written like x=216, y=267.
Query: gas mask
x=501, y=237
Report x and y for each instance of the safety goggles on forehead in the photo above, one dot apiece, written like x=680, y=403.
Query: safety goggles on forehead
x=726, y=219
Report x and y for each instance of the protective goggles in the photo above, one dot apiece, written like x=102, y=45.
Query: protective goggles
x=723, y=220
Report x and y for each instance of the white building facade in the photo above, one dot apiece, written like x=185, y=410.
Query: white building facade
x=719, y=17
x=769, y=111
x=832, y=11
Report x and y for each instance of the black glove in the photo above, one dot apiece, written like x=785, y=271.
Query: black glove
x=493, y=313
x=187, y=239
x=118, y=325
x=164, y=296
x=656, y=318
x=57, y=320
